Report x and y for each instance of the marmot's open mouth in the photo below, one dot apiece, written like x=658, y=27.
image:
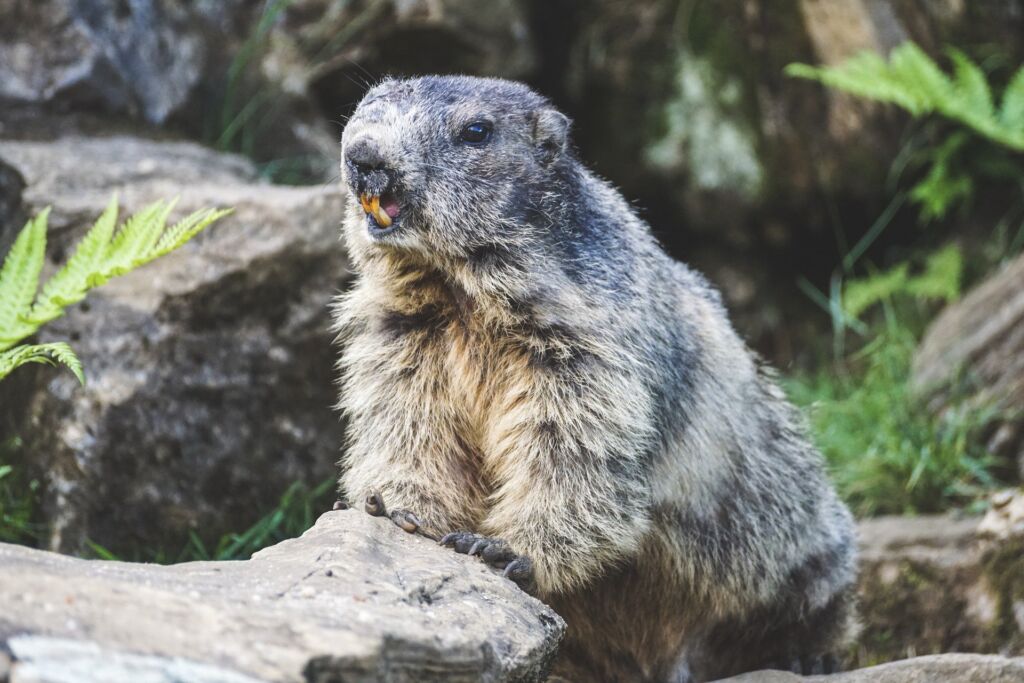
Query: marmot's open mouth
x=383, y=208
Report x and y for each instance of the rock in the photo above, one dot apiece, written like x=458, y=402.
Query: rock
x=974, y=349
x=11, y=215
x=210, y=371
x=1005, y=517
x=933, y=584
x=354, y=599
x=948, y=668
x=320, y=56
x=334, y=51
x=136, y=56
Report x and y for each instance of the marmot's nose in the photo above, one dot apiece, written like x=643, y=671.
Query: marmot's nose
x=366, y=157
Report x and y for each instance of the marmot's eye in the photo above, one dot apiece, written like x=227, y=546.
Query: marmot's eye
x=476, y=133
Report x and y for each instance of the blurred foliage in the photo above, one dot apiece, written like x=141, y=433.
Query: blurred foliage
x=295, y=512
x=237, y=122
x=956, y=164
x=18, y=499
x=940, y=280
x=247, y=114
x=105, y=252
x=888, y=452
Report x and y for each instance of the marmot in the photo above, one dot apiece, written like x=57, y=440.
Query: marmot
x=524, y=366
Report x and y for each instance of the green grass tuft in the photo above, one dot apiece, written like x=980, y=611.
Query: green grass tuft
x=295, y=512
x=887, y=453
x=18, y=499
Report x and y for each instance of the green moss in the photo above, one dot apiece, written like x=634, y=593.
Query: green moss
x=1003, y=568
x=918, y=612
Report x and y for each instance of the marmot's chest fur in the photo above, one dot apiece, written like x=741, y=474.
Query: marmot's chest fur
x=527, y=373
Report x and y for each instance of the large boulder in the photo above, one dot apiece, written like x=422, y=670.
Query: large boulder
x=936, y=584
x=974, y=350
x=948, y=668
x=354, y=599
x=210, y=371
x=334, y=50
x=138, y=57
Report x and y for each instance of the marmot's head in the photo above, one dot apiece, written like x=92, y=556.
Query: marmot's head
x=451, y=168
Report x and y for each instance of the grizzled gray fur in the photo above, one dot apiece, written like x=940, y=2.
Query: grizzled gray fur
x=527, y=374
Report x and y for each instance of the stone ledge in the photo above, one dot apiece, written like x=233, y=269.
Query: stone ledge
x=353, y=599
x=948, y=668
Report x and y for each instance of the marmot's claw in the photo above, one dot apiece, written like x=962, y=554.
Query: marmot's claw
x=520, y=570
x=460, y=541
x=340, y=504
x=494, y=552
x=408, y=521
x=375, y=505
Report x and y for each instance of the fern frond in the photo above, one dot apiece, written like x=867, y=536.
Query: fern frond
x=19, y=280
x=912, y=80
x=865, y=75
x=911, y=68
x=940, y=280
x=134, y=240
x=1011, y=115
x=861, y=294
x=50, y=354
x=69, y=285
x=942, y=276
x=103, y=253
x=971, y=87
x=944, y=184
x=185, y=229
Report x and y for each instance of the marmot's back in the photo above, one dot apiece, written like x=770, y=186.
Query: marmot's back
x=528, y=373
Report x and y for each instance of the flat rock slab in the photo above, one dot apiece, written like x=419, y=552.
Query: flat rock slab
x=354, y=599
x=948, y=668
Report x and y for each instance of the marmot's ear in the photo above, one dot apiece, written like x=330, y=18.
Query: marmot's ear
x=550, y=133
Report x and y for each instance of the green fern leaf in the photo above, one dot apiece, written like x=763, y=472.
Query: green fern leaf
x=70, y=284
x=939, y=280
x=185, y=229
x=913, y=81
x=1011, y=116
x=863, y=293
x=133, y=240
x=971, y=87
x=911, y=68
x=944, y=185
x=19, y=279
x=103, y=253
x=865, y=74
x=50, y=354
x=941, y=277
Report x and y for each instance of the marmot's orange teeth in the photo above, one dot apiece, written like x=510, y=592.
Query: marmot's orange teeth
x=371, y=205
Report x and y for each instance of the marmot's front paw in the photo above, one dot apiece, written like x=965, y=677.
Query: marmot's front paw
x=494, y=552
x=405, y=519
